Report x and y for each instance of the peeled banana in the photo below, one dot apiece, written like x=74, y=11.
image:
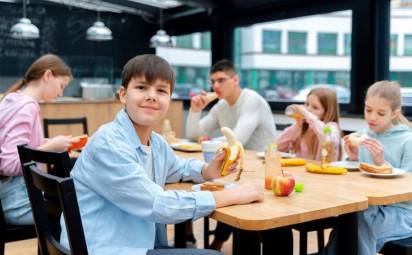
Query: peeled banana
x=233, y=150
x=312, y=168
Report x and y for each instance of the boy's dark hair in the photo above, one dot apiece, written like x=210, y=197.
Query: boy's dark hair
x=149, y=66
x=225, y=66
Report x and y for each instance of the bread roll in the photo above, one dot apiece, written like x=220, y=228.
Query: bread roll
x=212, y=186
x=357, y=139
x=211, y=96
x=383, y=169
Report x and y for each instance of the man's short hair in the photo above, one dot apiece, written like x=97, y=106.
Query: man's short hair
x=225, y=66
x=149, y=66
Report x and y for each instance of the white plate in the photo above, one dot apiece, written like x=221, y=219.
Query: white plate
x=261, y=154
x=196, y=147
x=395, y=172
x=228, y=185
x=350, y=165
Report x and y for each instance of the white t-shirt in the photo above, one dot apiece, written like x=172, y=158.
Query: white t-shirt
x=250, y=118
x=149, y=168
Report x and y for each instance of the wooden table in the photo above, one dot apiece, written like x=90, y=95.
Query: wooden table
x=323, y=196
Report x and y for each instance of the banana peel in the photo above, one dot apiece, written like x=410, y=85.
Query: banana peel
x=292, y=162
x=233, y=149
x=312, y=168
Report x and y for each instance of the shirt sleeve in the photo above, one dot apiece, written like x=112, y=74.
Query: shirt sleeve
x=196, y=127
x=288, y=137
x=19, y=132
x=247, y=121
x=406, y=160
x=112, y=171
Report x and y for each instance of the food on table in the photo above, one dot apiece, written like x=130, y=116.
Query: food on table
x=312, y=168
x=292, y=162
x=382, y=169
x=283, y=184
x=298, y=187
x=212, y=186
x=233, y=149
x=82, y=140
x=190, y=146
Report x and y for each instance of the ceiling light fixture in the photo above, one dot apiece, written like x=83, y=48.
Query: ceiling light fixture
x=98, y=32
x=161, y=38
x=24, y=29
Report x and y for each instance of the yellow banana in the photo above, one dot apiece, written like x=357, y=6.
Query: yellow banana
x=292, y=162
x=327, y=170
x=233, y=149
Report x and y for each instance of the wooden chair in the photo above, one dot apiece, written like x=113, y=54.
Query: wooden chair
x=66, y=121
x=11, y=233
x=63, y=192
x=398, y=247
x=58, y=163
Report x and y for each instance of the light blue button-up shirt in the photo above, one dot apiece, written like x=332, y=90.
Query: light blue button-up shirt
x=119, y=204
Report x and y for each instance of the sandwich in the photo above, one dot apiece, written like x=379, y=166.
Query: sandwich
x=211, y=96
x=382, y=169
x=212, y=186
x=357, y=139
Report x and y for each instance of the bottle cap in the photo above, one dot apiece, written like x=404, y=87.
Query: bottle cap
x=327, y=130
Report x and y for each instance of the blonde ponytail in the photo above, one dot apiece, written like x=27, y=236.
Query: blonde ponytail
x=401, y=119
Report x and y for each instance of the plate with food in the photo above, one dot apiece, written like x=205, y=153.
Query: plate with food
x=350, y=165
x=186, y=146
x=261, y=154
x=383, y=171
x=213, y=186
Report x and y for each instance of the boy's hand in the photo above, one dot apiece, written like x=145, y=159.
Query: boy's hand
x=199, y=102
x=243, y=193
x=351, y=151
x=376, y=149
x=213, y=169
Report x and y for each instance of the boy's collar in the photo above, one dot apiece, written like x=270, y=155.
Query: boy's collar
x=127, y=124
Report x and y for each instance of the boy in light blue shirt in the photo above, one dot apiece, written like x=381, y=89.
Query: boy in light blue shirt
x=120, y=175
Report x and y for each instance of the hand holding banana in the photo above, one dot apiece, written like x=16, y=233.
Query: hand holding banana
x=233, y=152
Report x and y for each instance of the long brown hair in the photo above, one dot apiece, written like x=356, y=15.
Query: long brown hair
x=39, y=67
x=391, y=91
x=329, y=102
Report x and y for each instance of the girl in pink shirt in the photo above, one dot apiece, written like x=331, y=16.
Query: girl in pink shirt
x=305, y=137
x=20, y=124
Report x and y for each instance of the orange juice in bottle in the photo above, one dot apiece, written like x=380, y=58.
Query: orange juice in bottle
x=291, y=113
x=327, y=151
x=272, y=164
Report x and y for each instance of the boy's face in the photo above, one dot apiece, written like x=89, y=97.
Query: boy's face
x=224, y=84
x=379, y=114
x=146, y=103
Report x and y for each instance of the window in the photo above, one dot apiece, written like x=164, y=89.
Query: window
x=393, y=44
x=347, y=44
x=184, y=41
x=191, y=61
x=205, y=41
x=271, y=41
x=400, y=69
x=297, y=42
x=327, y=43
x=295, y=67
x=408, y=45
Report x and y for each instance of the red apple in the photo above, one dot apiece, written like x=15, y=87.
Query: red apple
x=283, y=185
x=203, y=138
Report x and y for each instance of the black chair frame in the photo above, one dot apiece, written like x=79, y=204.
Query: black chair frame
x=67, y=121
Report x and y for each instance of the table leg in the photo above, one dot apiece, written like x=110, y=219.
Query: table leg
x=246, y=242
x=347, y=235
x=180, y=235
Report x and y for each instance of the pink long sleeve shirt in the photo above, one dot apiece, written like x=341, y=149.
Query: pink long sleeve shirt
x=290, y=134
x=19, y=124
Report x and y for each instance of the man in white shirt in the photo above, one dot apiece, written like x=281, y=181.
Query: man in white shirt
x=243, y=110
